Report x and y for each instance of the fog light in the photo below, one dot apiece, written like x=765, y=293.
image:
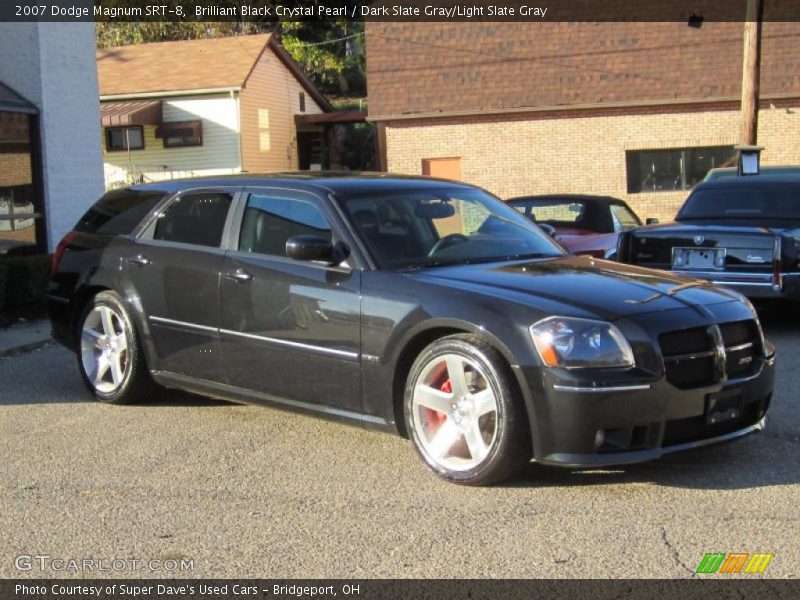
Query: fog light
x=599, y=438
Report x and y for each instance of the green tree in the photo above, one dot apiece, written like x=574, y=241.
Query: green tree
x=330, y=51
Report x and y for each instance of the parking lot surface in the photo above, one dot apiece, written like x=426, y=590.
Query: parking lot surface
x=245, y=491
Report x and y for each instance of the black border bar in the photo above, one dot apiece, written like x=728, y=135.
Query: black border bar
x=717, y=587
x=272, y=11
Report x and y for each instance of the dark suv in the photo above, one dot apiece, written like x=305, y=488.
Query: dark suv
x=420, y=306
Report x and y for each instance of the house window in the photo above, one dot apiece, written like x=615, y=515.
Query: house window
x=673, y=169
x=264, y=141
x=124, y=138
x=179, y=134
x=302, y=102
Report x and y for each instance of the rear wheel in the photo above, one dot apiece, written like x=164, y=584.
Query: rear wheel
x=110, y=359
x=462, y=415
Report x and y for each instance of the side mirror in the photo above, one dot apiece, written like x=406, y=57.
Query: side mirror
x=309, y=247
x=651, y=221
x=548, y=229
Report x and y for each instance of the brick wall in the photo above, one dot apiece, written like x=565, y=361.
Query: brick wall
x=15, y=169
x=582, y=151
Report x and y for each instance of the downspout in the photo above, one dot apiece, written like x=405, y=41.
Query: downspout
x=235, y=99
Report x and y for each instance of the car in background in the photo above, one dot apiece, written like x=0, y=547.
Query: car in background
x=420, y=306
x=719, y=172
x=743, y=232
x=583, y=224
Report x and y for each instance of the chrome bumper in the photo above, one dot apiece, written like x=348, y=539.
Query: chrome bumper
x=753, y=285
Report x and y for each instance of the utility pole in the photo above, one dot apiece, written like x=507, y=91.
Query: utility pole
x=751, y=73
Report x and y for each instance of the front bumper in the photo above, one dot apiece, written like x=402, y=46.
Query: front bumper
x=637, y=456
x=579, y=419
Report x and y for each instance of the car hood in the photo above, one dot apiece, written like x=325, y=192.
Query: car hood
x=582, y=285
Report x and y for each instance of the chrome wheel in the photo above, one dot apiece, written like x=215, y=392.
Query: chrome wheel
x=104, y=349
x=454, y=412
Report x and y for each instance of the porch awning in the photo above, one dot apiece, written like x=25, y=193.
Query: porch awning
x=131, y=112
x=193, y=129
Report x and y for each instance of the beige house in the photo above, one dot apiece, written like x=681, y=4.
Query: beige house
x=204, y=107
x=636, y=110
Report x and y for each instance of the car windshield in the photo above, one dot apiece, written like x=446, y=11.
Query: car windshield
x=743, y=202
x=422, y=229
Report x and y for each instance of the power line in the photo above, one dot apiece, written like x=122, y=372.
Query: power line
x=341, y=39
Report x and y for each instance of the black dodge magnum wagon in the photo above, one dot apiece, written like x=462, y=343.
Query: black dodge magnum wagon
x=420, y=306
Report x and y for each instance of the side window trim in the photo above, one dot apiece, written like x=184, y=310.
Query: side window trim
x=147, y=228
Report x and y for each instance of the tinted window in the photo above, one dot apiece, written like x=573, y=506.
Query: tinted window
x=270, y=221
x=194, y=219
x=744, y=202
x=673, y=169
x=118, y=212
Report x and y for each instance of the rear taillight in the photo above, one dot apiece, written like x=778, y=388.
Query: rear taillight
x=622, y=246
x=777, y=279
x=61, y=248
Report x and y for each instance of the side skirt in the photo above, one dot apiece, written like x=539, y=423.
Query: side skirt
x=222, y=391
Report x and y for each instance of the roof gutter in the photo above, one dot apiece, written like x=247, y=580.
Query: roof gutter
x=170, y=93
x=571, y=107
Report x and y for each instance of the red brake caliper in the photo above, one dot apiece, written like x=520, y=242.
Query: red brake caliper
x=436, y=418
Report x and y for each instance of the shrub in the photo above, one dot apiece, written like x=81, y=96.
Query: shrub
x=25, y=280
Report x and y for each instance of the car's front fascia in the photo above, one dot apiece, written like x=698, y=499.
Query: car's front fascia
x=598, y=416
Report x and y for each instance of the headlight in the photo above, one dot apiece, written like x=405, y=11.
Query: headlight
x=580, y=343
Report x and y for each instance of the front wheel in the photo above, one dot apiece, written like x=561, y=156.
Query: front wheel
x=462, y=415
x=110, y=360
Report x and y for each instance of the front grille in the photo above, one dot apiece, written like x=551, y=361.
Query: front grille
x=685, y=341
x=739, y=332
x=691, y=358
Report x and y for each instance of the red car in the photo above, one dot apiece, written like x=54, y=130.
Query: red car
x=583, y=224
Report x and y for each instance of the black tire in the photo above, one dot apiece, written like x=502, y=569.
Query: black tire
x=135, y=384
x=510, y=449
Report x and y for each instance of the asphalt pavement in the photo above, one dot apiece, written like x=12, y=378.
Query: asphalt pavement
x=243, y=491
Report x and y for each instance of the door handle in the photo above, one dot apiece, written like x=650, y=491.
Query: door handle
x=239, y=276
x=139, y=259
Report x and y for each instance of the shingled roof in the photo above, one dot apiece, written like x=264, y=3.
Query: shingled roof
x=181, y=66
x=441, y=68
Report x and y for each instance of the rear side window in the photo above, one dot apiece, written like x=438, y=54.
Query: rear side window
x=563, y=211
x=197, y=218
x=118, y=212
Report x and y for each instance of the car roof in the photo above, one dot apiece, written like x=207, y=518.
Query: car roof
x=775, y=179
x=771, y=168
x=348, y=182
x=573, y=197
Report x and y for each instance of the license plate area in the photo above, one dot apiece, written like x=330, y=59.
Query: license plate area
x=723, y=406
x=698, y=258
